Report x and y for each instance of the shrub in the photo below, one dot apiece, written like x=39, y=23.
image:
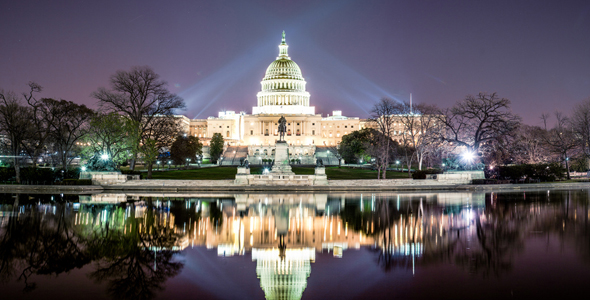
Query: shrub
x=528, y=172
x=7, y=174
x=129, y=172
x=421, y=174
x=75, y=182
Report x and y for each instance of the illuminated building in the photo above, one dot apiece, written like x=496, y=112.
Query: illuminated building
x=283, y=93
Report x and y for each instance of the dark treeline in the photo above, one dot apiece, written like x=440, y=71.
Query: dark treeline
x=477, y=132
x=135, y=121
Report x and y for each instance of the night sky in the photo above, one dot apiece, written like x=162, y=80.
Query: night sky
x=352, y=53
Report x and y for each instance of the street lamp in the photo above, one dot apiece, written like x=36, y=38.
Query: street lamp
x=397, y=164
x=158, y=163
x=169, y=163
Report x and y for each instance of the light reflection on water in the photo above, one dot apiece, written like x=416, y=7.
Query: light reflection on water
x=135, y=246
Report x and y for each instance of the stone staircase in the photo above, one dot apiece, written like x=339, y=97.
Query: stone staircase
x=233, y=154
x=328, y=158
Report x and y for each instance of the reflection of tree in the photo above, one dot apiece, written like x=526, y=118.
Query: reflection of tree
x=424, y=233
x=391, y=253
x=137, y=263
x=36, y=243
x=567, y=218
x=499, y=237
x=134, y=256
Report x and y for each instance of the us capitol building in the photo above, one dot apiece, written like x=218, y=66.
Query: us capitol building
x=282, y=94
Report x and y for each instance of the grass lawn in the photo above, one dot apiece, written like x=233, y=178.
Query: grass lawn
x=351, y=173
x=217, y=173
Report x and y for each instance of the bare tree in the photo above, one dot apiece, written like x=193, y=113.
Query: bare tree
x=15, y=126
x=420, y=129
x=41, y=121
x=109, y=134
x=561, y=139
x=70, y=122
x=141, y=96
x=477, y=121
x=528, y=146
x=158, y=136
x=382, y=116
x=580, y=123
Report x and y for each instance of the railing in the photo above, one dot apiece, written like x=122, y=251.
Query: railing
x=282, y=177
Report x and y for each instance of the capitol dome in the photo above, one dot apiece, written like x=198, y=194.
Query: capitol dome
x=283, y=68
x=283, y=87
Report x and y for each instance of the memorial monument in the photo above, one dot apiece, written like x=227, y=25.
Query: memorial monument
x=281, y=165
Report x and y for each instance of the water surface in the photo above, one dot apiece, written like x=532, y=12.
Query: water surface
x=450, y=245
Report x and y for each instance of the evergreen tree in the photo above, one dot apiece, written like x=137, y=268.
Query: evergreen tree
x=216, y=147
x=185, y=147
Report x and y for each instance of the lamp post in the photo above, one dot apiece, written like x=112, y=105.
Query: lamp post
x=169, y=163
x=397, y=164
x=158, y=163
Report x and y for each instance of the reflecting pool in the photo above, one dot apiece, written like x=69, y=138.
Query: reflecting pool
x=449, y=245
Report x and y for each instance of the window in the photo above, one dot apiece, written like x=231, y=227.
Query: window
x=289, y=124
x=297, y=124
x=251, y=132
x=219, y=126
x=227, y=135
x=345, y=126
x=313, y=132
x=227, y=126
x=338, y=126
x=313, y=124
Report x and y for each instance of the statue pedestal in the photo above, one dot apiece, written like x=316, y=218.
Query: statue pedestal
x=242, y=176
x=107, y=178
x=320, y=176
x=281, y=165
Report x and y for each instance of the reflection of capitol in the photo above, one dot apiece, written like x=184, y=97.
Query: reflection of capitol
x=295, y=217
x=283, y=277
x=131, y=234
x=284, y=232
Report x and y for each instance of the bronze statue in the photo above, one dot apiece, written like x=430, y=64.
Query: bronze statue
x=319, y=163
x=282, y=128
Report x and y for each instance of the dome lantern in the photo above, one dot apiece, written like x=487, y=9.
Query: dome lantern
x=283, y=47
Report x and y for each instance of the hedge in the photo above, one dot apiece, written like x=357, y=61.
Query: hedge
x=421, y=174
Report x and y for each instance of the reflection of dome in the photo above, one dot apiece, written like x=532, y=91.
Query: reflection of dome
x=283, y=85
x=283, y=278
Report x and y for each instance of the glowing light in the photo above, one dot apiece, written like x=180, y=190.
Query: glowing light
x=83, y=169
x=468, y=156
x=104, y=156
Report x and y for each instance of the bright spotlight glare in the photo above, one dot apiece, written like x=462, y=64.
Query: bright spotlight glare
x=104, y=156
x=468, y=156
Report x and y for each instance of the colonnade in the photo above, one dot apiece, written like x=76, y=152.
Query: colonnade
x=289, y=85
x=285, y=99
